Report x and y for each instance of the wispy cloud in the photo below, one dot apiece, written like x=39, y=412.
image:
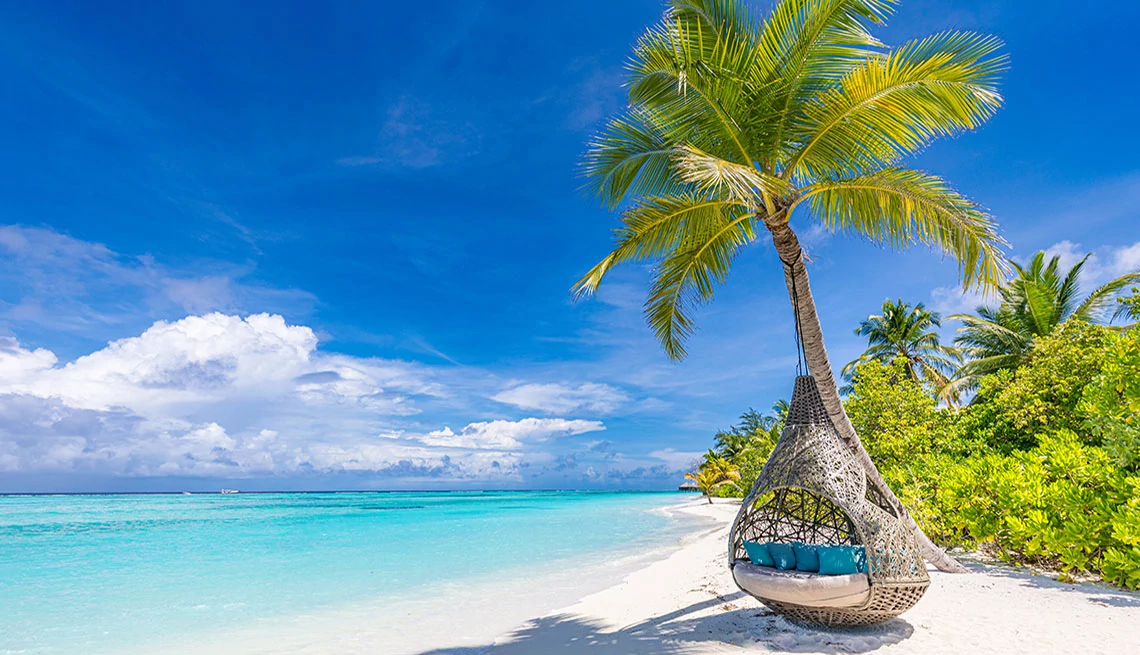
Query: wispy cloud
x=678, y=460
x=509, y=435
x=66, y=284
x=955, y=300
x=555, y=398
x=1104, y=263
x=415, y=135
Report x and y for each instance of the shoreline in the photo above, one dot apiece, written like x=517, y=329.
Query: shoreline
x=688, y=603
x=453, y=616
x=671, y=593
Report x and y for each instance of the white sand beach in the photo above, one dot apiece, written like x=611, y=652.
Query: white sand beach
x=687, y=603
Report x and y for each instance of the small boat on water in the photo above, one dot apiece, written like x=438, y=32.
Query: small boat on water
x=229, y=491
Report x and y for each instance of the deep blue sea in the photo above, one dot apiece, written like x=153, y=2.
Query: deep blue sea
x=139, y=573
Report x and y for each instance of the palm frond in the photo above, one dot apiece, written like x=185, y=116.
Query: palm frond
x=893, y=105
x=989, y=332
x=711, y=174
x=653, y=228
x=1068, y=289
x=807, y=45
x=688, y=276
x=1100, y=301
x=696, y=81
x=631, y=156
x=900, y=206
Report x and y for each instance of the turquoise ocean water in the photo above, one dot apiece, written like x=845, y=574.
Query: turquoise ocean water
x=107, y=574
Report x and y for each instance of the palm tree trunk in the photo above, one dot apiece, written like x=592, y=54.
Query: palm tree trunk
x=788, y=247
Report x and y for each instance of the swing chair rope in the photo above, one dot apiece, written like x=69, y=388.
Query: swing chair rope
x=791, y=268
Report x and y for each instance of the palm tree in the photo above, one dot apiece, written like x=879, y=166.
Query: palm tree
x=753, y=429
x=740, y=437
x=780, y=408
x=1034, y=302
x=734, y=122
x=714, y=472
x=910, y=333
x=1129, y=306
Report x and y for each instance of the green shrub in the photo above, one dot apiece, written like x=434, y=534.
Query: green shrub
x=1111, y=402
x=1042, y=468
x=897, y=419
x=1013, y=408
x=1063, y=504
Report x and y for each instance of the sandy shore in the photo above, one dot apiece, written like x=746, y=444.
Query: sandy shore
x=687, y=603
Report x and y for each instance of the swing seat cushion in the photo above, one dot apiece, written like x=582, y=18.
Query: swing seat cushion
x=802, y=588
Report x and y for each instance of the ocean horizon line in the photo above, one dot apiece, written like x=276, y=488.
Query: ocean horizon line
x=334, y=491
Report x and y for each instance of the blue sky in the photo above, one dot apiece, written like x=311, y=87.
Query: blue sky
x=389, y=192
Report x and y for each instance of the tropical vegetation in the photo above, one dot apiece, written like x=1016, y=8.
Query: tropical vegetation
x=1038, y=298
x=910, y=333
x=735, y=121
x=714, y=472
x=1041, y=467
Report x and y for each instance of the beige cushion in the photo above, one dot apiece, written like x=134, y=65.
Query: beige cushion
x=801, y=587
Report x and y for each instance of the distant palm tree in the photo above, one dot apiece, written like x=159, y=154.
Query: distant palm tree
x=736, y=121
x=743, y=436
x=1129, y=306
x=1034, y=302
x=714, y=472
x=780, y=408
x=911, y=333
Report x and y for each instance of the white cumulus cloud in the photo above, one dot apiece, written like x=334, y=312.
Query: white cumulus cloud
x=230, y=396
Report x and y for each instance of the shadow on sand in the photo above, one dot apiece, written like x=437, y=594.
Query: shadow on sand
x=679, y=631
x=1098, y=593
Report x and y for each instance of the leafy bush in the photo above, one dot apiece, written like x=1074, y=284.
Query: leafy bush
x=1111, y=402
x=1064, y=505
x=897, y=419
x=1013, y=408
x=1042, y=468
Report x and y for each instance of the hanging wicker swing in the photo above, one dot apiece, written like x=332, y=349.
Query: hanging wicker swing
x=813, y=491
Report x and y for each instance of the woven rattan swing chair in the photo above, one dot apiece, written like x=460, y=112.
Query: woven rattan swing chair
x=814, y=491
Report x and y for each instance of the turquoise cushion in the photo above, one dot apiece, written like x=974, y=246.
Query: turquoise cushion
x=836, y=560
x=842, y=560
x=783, y=556
x=807, y=559
x=758, y=553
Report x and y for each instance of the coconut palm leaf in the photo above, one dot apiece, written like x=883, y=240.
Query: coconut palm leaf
x=909, y=332
x=1104, y=297
x=899, y=207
